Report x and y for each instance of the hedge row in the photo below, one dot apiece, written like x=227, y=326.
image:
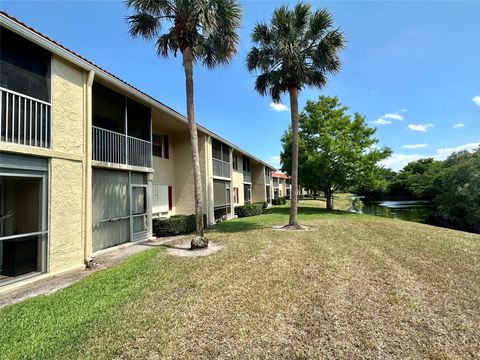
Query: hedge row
x=249, y=210
x=176, y=225
x=279, y=201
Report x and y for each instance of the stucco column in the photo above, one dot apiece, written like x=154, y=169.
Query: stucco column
x=88, y=169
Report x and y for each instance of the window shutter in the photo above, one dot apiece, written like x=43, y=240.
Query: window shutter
x=236, y=194
x=170, y=199
x=166, y=147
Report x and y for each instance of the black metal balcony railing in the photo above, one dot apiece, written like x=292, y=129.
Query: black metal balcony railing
x=24, y=120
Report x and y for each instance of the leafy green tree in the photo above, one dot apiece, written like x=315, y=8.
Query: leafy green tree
x=202, y=31
x=459, y=199
x=299, y=48
x=337, y=149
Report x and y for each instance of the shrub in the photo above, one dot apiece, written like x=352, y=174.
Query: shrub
x=176, y=225
x=249, y=210
x=263, y=203
x=279, y=201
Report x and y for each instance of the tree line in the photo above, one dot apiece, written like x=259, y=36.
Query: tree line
x=452, y=185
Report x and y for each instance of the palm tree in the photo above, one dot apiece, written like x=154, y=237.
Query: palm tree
x=202, y=31
x=298, y=48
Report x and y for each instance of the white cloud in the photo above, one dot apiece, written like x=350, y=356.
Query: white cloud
x=274, y=160
x=398, y=161
x=459, y=125
x=403, y=110
x=386, y=118
x=381, y=122
x=419, y=127
x=393, y=116
x=278, y=107
x=443, y=153
x=476, y=100
x=415, y=146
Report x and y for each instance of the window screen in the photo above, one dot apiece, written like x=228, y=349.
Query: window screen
x=138, y=120
x=24, y=66
x=108, y=108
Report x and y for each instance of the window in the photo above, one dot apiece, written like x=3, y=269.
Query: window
x=160, y=145
x=236, y=198
x=268, y=193
x=246, y=165
x=221, y=199
x=235, y=162
x=220, y=151
x=247, y=193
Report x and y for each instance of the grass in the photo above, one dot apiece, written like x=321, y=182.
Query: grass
x=357, y=287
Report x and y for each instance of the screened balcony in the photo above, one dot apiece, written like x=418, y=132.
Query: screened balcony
x=247, y=171
x=25, y=103
x=221, y=159
x=121, y=129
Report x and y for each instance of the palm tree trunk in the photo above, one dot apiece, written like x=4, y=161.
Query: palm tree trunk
x=294, y=115
x=199, y=240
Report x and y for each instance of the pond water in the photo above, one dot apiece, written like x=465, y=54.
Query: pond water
x=410, y=210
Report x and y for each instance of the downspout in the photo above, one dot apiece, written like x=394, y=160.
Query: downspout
x=88, y=171
x=207, y=178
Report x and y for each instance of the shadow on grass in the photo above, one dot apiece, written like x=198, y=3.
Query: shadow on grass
x=233, y=226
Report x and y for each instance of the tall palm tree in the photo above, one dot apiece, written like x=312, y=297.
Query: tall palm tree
x=202, y=31
x=298, y=48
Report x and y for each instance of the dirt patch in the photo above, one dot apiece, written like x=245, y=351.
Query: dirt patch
x=293, y=228
x=183, y=249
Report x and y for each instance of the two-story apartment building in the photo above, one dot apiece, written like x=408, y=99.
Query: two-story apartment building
x=87, y=160
x=281, y=185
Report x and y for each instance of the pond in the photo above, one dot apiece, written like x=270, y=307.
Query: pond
x=411, y=210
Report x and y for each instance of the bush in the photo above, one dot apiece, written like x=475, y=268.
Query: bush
x=176, y=225
x=264, y=204
x=249, y=210
x=279, y=201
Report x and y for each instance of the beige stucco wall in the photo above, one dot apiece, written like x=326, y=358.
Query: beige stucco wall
x=237, y=181
x=67, y=178
x=164, y=168
x=183, y=173
x=258, y=183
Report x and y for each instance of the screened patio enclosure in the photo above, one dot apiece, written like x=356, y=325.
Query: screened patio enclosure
x=120, y=208
x=221, y=199
x=23, y=217
x=121, y=131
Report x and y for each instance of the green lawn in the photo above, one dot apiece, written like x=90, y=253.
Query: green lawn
x=357, y=286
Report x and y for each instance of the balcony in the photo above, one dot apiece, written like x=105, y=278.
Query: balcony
x=221, y=168
x=247, y=177
x=112, y=147
x=24, y=120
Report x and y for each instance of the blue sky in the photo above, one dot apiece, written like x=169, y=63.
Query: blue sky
x=412, y=68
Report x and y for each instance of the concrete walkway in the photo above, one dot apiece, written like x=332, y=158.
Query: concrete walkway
x=104, y=260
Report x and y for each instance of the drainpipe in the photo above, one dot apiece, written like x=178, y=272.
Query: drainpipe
x=88, y=171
